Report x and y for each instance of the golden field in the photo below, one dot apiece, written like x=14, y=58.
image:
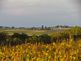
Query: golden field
x=64, y=51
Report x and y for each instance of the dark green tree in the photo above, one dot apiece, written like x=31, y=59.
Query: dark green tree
x=3, y=38
x=44, y=38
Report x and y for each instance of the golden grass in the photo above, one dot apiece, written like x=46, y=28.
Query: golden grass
x=65, y=51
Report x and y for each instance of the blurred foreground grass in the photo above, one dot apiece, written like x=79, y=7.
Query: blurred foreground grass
x=65, y=51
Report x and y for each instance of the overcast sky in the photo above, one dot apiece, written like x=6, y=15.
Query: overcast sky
x=39, y=12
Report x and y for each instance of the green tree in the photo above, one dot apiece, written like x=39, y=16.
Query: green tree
x=3, y=38
x=45, y=38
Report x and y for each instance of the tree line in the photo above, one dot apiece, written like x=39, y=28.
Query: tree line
x=20, y=38
x=42, y=27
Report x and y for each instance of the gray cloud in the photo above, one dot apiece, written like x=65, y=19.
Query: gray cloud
x=77, y=3
x=34, y=6
x=46, y=12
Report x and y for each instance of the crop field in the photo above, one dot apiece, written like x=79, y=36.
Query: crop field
x=29, y=32
x=40, y=30
x=65, y=51
x=40, y=45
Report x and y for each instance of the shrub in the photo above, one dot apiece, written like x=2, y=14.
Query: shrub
x=18, y=38
x=45, y=38
x=33, y=39
x=3, y=38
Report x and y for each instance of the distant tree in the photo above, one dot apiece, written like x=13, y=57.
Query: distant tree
x=3, y=37
x=23, y=37
x=34, y=39
x=19, y=38
x=45, y=38
x=13, y=27
x=1, y=27
x=15, y=39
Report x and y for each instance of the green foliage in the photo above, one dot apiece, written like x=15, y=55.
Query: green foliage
x=33, y=39
x=76, y=30
x=21, y=36
x=59, y=36
x=3, y=38
x=45, y=38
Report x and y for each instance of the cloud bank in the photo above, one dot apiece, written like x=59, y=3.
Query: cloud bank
x=30, y=7
x=48, y=12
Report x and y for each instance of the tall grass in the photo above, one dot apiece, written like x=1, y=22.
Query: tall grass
x=64, y=51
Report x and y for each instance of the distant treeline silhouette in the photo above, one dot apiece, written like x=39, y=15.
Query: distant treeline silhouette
x=36, y=28
x=21, y=38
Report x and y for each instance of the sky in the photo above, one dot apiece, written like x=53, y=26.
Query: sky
x=29, y=13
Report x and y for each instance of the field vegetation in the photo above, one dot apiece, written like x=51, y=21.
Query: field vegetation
x=57, y=46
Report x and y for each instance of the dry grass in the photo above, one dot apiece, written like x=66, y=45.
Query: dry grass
x=65, y=51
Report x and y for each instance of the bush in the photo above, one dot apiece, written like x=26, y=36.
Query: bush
x=18, y=38
x=3, y=38
x=33, y=39
x=45, y=38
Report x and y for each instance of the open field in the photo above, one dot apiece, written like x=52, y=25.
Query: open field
x=29, y=32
